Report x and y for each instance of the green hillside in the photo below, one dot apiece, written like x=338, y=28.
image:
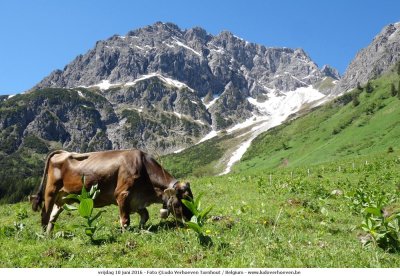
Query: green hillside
x=358, y=123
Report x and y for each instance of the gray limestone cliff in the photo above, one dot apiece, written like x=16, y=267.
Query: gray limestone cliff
x=378, y=57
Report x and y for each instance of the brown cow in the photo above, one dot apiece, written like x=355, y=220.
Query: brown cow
x=130, y=179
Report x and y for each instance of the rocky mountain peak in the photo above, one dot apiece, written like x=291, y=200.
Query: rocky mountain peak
x=197, y=34
x=372, y=61
x=329, y=71
x=156, y=32
x=168, y=87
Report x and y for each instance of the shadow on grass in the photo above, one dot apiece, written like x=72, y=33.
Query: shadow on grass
x=165, y=225
x=103, y=241
x=205, y=241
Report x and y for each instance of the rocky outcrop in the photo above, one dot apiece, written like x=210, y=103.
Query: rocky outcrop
x=372, y=61
x=331, y=72
x=200, y=60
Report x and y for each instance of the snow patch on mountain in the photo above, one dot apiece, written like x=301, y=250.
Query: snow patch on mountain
x=166, y=80
x=274, y=111
x=179, y=43
x=208, y=105
x=81, y=94
x=105, y=84
x=209, y=135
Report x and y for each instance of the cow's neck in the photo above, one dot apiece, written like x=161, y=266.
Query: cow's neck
x=159, y=177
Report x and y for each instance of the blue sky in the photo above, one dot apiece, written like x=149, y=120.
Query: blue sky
x=40, y=36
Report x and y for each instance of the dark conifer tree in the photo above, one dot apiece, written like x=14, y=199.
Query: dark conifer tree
x=369, y=88
x=393, y=90
x=398, y=90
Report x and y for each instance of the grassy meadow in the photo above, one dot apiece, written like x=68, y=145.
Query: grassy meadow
x=300, y=217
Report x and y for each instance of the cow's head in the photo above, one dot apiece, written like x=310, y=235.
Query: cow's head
x=173, y=201
x=35, y=200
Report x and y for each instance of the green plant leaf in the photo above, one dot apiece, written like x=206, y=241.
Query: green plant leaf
x=90, y=231
x=324, y=211
x=195, y=227
x=197, y=201
x=76, y=226
x=72, y=196
x=69, y=207
x=203, y=214
x=373, y=211
x=84, y=193
x=194, y=219
x=86, y=207
x=96, y=216
x=368, y=223
x=190, y=206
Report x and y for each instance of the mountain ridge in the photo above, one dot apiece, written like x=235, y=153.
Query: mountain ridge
x=153, y=45
x=190, y=74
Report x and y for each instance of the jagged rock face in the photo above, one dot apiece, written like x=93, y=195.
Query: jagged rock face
x=84, y=120
x=200, y=60
x=372, y=61
x=148, y=90
x=330, y=72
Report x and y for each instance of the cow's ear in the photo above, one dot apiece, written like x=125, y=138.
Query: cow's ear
x=187, y=184
x=170, y=192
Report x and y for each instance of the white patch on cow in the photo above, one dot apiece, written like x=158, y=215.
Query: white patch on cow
x=53, y=217
x=57, y=173
x=54, y=213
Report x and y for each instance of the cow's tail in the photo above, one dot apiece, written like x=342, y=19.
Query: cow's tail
x=37, y=201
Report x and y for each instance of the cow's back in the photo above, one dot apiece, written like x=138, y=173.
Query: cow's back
x=97, y=167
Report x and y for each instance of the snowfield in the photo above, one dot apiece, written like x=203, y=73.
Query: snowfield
x=166, y=80
x=105, y=84
x=272, y=112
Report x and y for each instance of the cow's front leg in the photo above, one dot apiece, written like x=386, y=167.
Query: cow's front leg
x=124, y=209
x=144, y=217
x=53, y=217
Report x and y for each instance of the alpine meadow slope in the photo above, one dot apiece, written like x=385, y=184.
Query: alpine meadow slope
x=359, y=123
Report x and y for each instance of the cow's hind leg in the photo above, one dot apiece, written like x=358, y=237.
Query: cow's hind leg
x=144, y=217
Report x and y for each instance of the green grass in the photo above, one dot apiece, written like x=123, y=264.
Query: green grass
x=334, y=131
x=199, y=160
x=288, y=220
